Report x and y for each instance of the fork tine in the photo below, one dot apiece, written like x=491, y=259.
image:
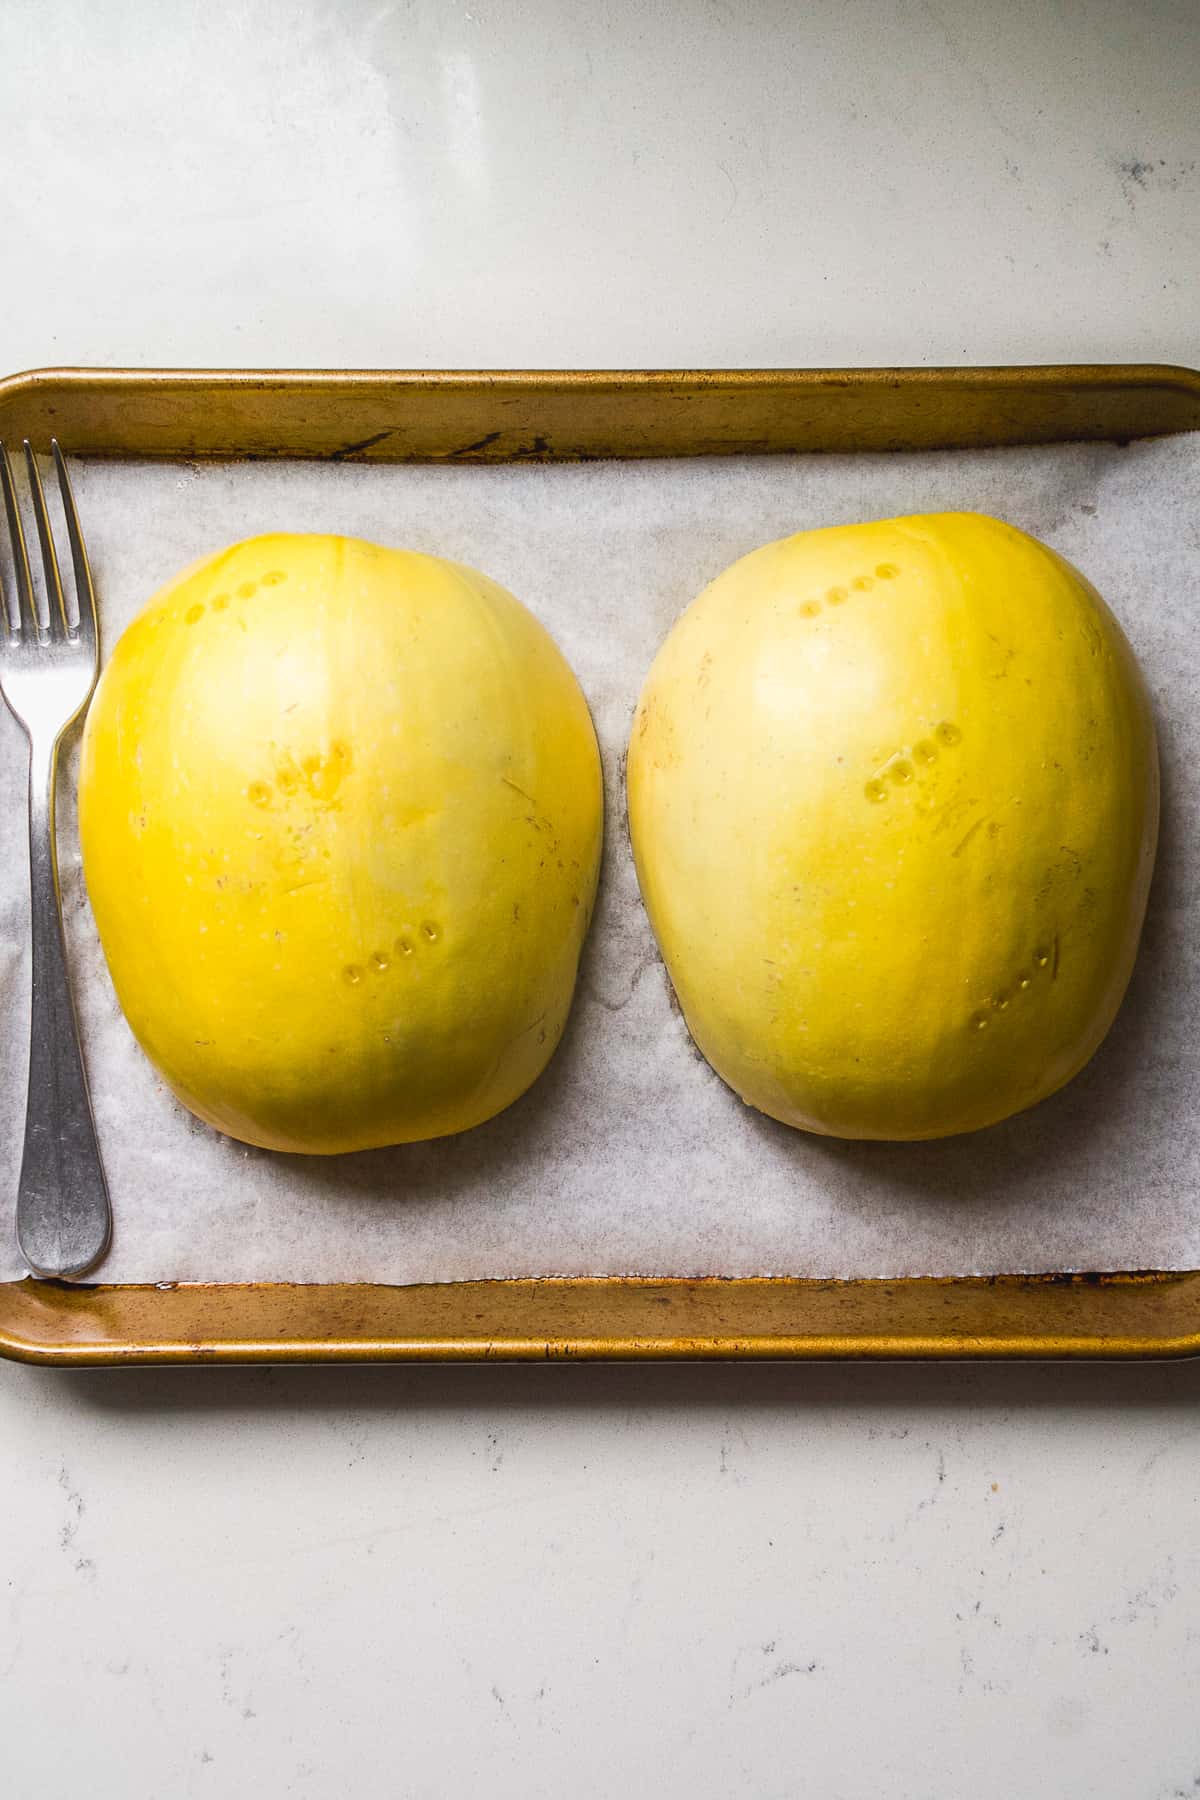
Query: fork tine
x=85, y=592
x=57, y=619
x=27, y=619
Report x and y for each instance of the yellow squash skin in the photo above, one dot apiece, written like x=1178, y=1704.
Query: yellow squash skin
x=341, y=813
x=893, y=796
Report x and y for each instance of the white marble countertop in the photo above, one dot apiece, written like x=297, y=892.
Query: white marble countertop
x=871, y=1584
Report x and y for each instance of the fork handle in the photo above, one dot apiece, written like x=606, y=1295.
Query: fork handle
x=63, y=1214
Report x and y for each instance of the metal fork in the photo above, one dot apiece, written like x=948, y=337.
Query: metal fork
x=48, y=664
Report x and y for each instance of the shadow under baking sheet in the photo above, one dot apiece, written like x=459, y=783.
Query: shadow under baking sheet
x=545, y=1390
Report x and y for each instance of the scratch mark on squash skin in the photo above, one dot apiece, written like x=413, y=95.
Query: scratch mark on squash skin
x=965, y=840
x=528, y=1028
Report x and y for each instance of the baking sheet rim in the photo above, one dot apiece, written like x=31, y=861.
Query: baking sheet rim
x=1005, y=1316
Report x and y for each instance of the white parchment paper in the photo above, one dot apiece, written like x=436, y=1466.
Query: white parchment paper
x=629, y=1156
